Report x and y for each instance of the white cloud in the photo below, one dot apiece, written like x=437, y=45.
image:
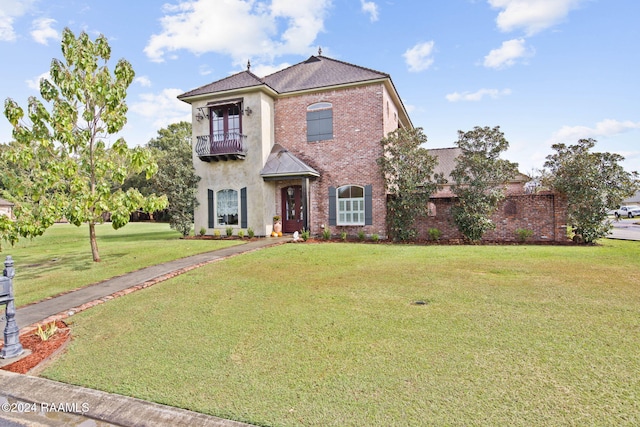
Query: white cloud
x=143, y=81
x=43, y=31
x=370, y=8
x=607, y=127
x=507, y=54
x=478, y=95
x=34, y=84
x=9, y=10
x=532, y=16
x=264, y=70
x=162, y=108
x=419, y=57
x=241, y=29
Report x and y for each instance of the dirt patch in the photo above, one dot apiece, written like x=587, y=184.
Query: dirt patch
x=41, y=351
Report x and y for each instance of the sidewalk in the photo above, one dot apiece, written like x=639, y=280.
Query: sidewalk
x=27, y=392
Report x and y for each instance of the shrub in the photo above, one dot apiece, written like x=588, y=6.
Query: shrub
x=241, y=233
x=203, y=231
x=47, y=332
x=229, y=231
x=375, y=237
x=305, y=235
x=434, y=234
x=250, y=232
x=343, y=236
x=216, y=233
x=326, y=234
x=523, y=234
x=361, y=235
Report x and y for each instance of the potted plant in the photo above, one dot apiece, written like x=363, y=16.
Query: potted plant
x=277, y=224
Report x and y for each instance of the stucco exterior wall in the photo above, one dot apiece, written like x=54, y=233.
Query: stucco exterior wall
x=236, y=174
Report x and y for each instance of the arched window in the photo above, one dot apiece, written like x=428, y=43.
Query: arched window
x=350, y=205
x=319, y=121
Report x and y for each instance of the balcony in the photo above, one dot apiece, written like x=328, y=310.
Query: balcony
x=221, y=146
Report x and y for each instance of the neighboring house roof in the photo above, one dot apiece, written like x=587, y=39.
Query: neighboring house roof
x=281, y=163
x=447, y=162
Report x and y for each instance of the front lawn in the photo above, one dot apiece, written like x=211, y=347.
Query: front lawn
x=332, y=335
x=60, y=259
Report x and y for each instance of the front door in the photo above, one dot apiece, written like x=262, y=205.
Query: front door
x=292, y=214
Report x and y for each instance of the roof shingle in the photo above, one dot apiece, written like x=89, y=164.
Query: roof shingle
x=315, y=72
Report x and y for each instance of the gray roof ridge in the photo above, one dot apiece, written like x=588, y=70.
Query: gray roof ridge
x=258, y=80
x=355, y=65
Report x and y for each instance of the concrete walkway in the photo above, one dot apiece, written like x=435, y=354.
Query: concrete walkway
x=27, y=400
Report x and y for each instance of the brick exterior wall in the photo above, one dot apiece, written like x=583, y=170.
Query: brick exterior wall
x=360, y=120
x=543, y=213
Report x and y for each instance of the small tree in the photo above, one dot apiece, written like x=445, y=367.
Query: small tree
x=407, y=168
x=65, y=167
x=480, y=176
x=592, y=182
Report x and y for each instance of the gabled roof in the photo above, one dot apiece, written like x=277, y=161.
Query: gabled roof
x=282, y=163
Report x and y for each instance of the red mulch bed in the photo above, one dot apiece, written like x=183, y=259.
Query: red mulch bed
x=40, y=350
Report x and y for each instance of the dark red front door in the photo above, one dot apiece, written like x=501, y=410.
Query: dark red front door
x=292, y=220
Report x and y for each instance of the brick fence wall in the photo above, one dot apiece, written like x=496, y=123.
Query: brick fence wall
x=543, y=213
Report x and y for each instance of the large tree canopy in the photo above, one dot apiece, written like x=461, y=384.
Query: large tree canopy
x=593, y=184
x=408, y=170
x=480, y=176
x=62, y=163
x=176, y=177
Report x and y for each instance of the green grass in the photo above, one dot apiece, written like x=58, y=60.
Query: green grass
x=329, y=335
x=60, y=260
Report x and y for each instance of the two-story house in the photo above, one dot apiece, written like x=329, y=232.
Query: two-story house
x=300, y=143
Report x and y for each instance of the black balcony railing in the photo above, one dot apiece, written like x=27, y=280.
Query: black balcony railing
x=221, y=146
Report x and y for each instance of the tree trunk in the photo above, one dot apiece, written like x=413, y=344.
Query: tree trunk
x=94, y=243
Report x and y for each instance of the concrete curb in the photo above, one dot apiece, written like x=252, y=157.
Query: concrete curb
x=47, y=396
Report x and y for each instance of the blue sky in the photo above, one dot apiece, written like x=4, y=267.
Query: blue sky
x=545, y=71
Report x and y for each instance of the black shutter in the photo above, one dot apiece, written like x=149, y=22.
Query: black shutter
x=243, y=207
x=332, y=206
x=212, y=221
x=368, y=205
